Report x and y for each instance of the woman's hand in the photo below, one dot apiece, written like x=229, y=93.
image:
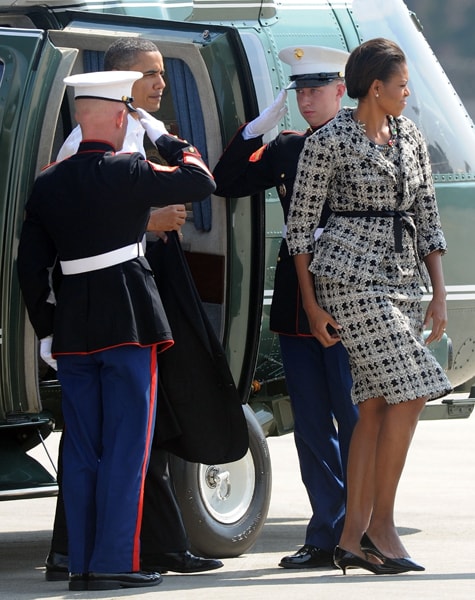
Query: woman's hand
x=437, y=313
x=323, y=326
x=437, y=309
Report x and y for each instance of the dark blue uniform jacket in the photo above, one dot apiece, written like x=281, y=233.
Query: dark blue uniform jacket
x=93, y=203
x=246, y=168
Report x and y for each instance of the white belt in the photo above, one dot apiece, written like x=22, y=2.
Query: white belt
x=101, y=261
x=316, y=234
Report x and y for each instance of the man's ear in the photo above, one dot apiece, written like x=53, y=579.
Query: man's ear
x=340, y=89
x=121, y=117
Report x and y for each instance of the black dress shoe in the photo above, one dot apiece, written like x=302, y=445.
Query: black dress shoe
x=344, y=559
x=181, y=562
x=57, y=568
x=78, y=582
x=404, y=564
x=115, y=581
x=308, y=557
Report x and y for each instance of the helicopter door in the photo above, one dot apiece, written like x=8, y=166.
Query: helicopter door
x=25, y=60
x=209, y=93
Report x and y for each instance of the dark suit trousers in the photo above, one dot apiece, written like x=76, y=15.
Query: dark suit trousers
x=162, y=524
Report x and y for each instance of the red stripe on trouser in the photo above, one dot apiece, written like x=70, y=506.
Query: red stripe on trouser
x=148, y=442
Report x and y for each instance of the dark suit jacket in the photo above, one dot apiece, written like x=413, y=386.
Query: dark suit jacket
x=200, y=416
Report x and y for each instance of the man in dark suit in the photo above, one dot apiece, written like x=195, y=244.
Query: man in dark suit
x=107, y=324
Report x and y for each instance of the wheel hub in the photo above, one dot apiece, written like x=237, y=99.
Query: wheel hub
x=220, y=481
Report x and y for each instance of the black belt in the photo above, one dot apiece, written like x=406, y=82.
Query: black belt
x=400, y=217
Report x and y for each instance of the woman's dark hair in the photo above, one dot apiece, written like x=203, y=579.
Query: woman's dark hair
x=378, y=58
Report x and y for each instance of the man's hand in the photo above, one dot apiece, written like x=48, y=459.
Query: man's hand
x=268, y=119
x=168, y=218
x=45, y=352
x=154, y=128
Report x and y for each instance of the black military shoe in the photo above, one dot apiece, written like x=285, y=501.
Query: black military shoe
x=115, y=581
x=57, y=568
x=308, y=557
x=78, y=582
x=181, y=562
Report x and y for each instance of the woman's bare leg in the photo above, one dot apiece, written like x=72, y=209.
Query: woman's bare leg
x=395, y=436
x=361, y=471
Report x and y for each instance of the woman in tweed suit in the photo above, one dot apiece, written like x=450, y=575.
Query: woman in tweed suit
x=361, y=285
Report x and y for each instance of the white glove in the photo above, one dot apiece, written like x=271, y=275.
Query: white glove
x=154, y=128
x=45, y=352
x=268, y=119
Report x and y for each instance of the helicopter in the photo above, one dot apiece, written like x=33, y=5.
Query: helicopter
x=222, y=69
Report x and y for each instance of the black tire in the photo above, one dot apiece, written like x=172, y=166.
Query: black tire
x=224, y=507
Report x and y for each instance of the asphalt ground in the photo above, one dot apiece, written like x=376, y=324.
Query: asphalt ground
x=435, y=515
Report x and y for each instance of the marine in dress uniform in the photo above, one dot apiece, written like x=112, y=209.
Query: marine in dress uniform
x=107, y=322
x=164, y=541
x=318, y=379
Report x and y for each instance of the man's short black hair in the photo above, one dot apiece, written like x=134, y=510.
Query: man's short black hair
x=122, y=54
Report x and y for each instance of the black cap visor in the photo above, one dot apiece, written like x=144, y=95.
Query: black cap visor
x=312, y=80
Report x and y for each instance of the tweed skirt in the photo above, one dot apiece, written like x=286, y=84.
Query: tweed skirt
x=382, y=332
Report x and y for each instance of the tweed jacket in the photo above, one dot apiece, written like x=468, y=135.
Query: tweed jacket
x=340, y=165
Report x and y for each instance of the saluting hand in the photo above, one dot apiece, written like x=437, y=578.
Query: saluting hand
x=268, y=119
x=154, y=128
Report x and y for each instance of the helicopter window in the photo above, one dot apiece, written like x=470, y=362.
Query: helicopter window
x=181, y=112
x=190, y=123
x=188, y=110
x=433, y=104
x=1, y=71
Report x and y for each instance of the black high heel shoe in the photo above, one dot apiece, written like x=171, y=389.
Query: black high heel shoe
x=403, y=564
x=344, y=559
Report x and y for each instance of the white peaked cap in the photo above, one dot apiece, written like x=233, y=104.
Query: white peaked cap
x=313, y=66
x=104, y=85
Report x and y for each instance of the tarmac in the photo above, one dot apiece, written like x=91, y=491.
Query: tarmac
x=435, y=514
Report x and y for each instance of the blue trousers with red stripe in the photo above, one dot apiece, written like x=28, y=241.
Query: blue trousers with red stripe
x=109, y=402
x=319, y=384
